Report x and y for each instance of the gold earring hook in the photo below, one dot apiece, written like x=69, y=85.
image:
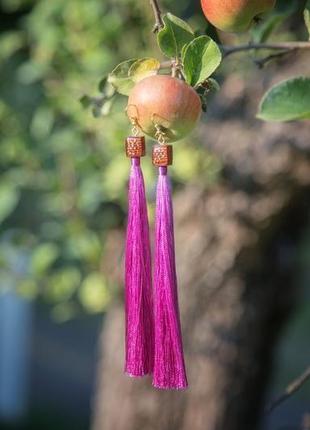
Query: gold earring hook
x=133, y=118
x=160, y=135
x=135, y=128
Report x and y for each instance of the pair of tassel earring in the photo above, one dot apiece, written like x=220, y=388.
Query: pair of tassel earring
x=153, y=338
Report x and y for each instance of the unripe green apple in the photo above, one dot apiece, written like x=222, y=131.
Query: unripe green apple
x=167, y=102
x=234, y=15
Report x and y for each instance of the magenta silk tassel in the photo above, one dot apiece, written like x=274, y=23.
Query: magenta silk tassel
x=169, y=367
x=138, y=290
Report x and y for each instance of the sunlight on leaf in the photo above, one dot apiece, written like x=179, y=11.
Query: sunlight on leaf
x=143, y=68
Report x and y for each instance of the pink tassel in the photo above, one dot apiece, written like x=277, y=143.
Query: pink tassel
x=139, y=303
x=169, y=367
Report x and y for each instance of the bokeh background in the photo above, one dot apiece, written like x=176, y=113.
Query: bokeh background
x=63, y=198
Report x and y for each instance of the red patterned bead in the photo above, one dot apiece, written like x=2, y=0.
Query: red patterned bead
x=162, y=155
x=135, y=146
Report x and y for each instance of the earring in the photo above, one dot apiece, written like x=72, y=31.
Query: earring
x=169, y=367
x=139, y=334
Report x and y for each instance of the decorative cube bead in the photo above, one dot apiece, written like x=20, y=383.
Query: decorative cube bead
x=135, y=146
x=162, y=155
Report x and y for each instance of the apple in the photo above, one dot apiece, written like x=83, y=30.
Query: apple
x=166, y=102
x=234, y=15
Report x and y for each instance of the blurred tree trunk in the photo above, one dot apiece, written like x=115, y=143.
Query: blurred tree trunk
x=236, y=249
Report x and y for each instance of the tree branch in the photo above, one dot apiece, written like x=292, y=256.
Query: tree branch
x=261, y=62
x=288, y=46
x=284, y=48
x=290, y=390
x=157, y=15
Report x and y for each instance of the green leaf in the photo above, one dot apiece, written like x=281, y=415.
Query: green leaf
x=106, y=88
x=143, y=68
x=289, y=100
x=175, y=34
x=106, y=107
x=126, y=74
x=307, y=16
x=102, y=84
x=109, y=90
x=120, y=78
x=201, y=58
x=102, y=107
x=86, y=101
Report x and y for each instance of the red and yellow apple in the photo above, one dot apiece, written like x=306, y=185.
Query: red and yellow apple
x=234, y=15
x=166, y=102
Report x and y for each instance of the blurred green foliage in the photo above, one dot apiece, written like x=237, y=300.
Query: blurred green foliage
x=63, y=172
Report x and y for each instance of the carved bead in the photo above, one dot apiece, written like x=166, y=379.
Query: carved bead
x=135, y=146
x=162, y=155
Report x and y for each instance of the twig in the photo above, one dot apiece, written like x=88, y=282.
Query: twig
x=229, y=50
x=157, y=15
x=290, y=390
x=260, y=62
